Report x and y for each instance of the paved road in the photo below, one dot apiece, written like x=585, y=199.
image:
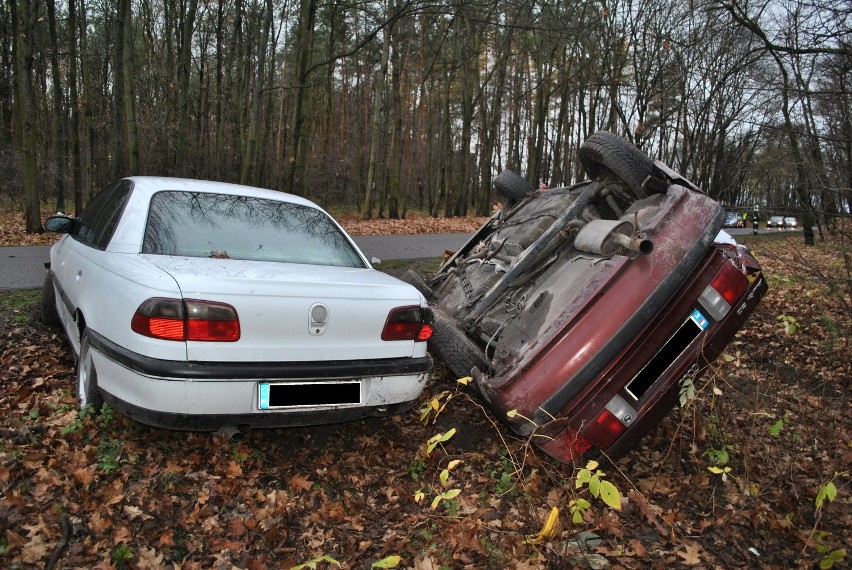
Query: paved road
x=23, y=267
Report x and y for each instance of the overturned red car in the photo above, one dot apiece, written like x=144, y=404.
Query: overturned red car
x=581, y=311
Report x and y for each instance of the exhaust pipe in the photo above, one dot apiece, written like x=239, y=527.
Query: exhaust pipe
x=234, y=433
x=638, y=245
x=607, y=237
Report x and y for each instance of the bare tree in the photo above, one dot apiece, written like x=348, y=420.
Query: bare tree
x=24, y=20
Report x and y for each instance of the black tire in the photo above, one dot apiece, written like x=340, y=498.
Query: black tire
x=88, y=393
x=416, y=280
x=605, y=152
x=454, y=348
x=49, y=314
x=510, y=185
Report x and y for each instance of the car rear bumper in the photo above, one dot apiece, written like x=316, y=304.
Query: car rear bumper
x=663, y=393
x=206, y=396
x=689, y=367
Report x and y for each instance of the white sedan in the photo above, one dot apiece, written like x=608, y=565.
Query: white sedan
x=201, y=305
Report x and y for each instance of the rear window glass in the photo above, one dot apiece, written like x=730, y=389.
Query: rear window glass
x=196, y=224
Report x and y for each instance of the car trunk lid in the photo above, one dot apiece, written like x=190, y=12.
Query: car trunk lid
x=292, y=312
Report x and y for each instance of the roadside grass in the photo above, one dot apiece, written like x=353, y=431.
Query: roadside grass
x=395, y=267
x=19, y=306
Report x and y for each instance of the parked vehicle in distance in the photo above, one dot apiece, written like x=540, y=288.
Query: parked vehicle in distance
x=791, y=222
x=583, y=312
x=199, y=305
x=733, y=220
x=775, y=222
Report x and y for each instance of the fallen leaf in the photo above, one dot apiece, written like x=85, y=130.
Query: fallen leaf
x=691, y=554
x=167, y=538
x=85, y=475
x=299, y=483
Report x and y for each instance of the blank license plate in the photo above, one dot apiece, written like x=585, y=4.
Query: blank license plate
x=297, y=395
x=673, y=348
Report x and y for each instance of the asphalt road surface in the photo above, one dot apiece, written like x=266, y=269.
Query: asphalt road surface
x=22, y=267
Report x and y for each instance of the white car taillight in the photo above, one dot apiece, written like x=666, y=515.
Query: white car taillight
x=408, y=323
x=724, y=291
x=175, y=319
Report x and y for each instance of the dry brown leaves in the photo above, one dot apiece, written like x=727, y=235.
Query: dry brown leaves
x=284, y=497
x=416, y=223
x=13, y=228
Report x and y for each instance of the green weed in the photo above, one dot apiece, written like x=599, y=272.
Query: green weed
x=109, y=454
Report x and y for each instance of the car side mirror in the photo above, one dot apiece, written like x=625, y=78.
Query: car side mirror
x=59, y=224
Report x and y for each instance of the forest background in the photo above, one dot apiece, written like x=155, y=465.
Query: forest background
x=385, y=107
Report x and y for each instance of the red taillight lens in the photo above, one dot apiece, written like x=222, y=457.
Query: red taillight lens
x=731, y=283
x=611, y=422
x=568, y=445
x=408, y=323
x=174, y=319
x=724, y=291
x=160, y=318
x=425, y=333
x=209, y=321
x=605, y=430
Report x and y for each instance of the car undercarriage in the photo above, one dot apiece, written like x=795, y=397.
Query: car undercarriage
x=575, y=306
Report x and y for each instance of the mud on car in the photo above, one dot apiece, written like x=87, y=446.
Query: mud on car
x=581, y=311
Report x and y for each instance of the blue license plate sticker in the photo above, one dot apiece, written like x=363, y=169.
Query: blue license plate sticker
x=699, y=319
x=263, y=391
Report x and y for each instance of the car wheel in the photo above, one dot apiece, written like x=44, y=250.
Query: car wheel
x=510, y=185
x=49, y=314
x=454, y=348
x=88, y=393
x=605, y=152
x=416, y=280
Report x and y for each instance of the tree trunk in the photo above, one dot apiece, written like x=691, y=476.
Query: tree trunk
x=58, y=125
x=304, y=42
x=7, y=63
x=378, y=97
x=128, y=67
x=395, y=154
x=249, y=156
x=88, y=181
x=187, y=24
x=119, y=165
x=74, y=104
x=23, y=111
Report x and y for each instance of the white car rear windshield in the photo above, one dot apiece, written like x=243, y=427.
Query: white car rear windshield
x=223, y=226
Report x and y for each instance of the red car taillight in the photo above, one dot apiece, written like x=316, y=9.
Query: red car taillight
x=175, y=319
x=408, y=323
x=567, y=446
x=724, y=291
x=611, y=423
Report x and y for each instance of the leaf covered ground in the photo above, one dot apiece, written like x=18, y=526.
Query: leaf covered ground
x=772, y=420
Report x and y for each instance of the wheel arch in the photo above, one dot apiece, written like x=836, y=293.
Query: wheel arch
x=80, y=319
